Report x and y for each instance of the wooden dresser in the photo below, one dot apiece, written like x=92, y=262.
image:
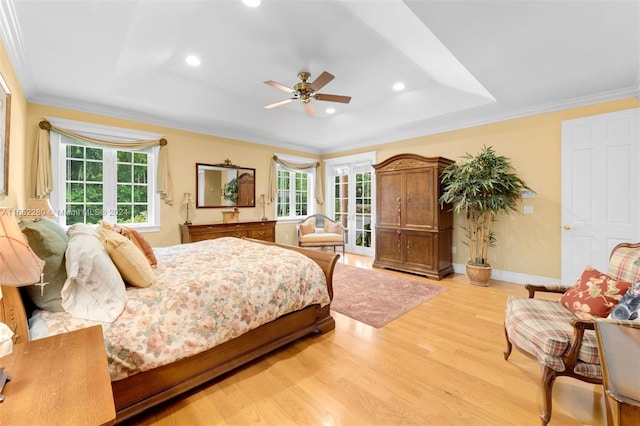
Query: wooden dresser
x=261, y=230
x=413, y=233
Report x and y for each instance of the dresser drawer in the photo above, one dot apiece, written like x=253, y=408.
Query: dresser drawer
x=257, y=230
x=266, y=234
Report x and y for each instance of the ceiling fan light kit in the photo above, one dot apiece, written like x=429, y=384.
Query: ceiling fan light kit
x=306, y=91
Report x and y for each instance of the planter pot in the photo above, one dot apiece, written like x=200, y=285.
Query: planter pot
x=230, y=217
x=479, y=275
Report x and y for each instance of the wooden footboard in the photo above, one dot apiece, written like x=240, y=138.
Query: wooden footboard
x=142, y=391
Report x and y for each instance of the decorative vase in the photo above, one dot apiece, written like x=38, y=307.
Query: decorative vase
x=231, y=216
x=479, y=275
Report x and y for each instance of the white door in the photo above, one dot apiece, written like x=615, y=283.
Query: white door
x=350, y=198
x=600, y=188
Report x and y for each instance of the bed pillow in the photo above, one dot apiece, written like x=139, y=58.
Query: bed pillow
x=94, y=289
x=140, y=242
x=128, y=258
x=595, y=294
x=49, y=242
x=137, y=239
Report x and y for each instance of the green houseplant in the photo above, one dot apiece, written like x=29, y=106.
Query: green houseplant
x=480, y=187
x=231, y=191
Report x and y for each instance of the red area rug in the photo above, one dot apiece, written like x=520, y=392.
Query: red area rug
x=377, y=298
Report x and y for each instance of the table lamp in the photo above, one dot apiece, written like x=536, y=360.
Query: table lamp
x=36, y=209
x=187, y=200
x=19, y=266
x=263, y=200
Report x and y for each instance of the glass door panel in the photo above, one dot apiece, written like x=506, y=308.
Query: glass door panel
x=352, y=193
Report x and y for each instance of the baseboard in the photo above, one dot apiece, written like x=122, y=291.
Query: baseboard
x=513, y=277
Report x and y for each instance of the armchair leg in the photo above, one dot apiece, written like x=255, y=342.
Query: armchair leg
x=548, y=378
x=507, y=352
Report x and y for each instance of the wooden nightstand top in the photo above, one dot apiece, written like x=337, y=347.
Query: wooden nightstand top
x=62, y=379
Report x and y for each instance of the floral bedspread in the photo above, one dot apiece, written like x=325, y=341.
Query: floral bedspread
x=207, y=293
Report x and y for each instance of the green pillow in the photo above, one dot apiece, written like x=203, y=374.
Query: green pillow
x=49, y=242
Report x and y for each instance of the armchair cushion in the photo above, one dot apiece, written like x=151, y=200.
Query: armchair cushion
x=322, y=237
x=594, y=295
x=307, y=227
x=542, y=328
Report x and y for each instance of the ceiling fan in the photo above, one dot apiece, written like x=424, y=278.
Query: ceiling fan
x=307, y=91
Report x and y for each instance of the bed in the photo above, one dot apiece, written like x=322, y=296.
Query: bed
x=197, y=321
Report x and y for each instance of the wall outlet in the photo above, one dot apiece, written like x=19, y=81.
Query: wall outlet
x=527, y=209
x=286, y=237
x=453, y=249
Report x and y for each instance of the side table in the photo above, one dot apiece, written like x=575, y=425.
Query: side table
x=62, y=379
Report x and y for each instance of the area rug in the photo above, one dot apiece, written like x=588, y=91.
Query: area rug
x=377, y=298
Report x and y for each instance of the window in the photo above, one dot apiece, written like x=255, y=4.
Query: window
x=94, y=183
x=295, y=195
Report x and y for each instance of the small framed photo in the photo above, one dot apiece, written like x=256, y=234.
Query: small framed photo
x=5, y=121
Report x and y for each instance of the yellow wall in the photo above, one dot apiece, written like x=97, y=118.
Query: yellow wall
x=16, y=196
x=525, y=244
x=185, y=149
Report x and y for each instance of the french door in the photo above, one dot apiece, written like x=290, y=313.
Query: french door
x=350, y=189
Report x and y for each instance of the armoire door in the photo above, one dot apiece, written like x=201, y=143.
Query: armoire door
x=419, y=206
x=390, y=200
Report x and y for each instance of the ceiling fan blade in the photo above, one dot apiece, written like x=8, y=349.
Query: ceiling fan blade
x=309, y=109
x=282, y=102
x=333, y=98
x=321, y=81
x=280, y=86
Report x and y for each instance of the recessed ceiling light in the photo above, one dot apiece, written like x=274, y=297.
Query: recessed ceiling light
x=193, y=60
x=330, y=110
x=251, y=3
x=398, y=86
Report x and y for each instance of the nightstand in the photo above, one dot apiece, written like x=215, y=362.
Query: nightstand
x=62, y=379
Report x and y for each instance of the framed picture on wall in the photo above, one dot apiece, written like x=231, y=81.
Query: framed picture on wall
x=5, y=121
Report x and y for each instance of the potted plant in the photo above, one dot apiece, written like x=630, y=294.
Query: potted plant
x=480, y=188
x=231, y=191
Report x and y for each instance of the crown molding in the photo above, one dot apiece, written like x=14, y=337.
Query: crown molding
x=12, y=38
x=435, y=127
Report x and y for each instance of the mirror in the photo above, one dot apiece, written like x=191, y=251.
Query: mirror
x=225, y=185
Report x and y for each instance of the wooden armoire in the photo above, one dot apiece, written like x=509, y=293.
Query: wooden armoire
x=413, y=233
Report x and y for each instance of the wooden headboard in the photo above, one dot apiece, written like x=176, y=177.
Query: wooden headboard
x=13, y=314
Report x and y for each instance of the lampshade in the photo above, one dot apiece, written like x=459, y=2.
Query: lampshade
x=187, y=199
x=37, y=208
x=19, y=265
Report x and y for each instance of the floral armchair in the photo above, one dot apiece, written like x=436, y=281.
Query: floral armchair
x=319, y=231
x=560, y=334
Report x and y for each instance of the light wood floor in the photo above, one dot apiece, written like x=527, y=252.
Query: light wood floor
x=439, y=364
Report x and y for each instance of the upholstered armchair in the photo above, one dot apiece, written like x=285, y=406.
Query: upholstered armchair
x=560, y=334
x=319, y=231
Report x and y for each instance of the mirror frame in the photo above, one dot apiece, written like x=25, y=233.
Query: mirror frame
x=229, y=166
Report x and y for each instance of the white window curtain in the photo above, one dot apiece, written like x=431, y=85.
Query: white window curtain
x=298, y=167
x=43, y=170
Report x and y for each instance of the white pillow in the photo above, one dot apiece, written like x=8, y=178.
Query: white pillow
x=94, y=289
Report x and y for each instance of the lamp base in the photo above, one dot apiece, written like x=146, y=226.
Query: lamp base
x=264, y=218
x=187, y=222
